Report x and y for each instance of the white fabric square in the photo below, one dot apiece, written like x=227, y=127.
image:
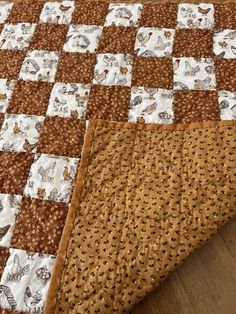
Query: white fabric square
x=154, y=42
x=51, y=177
x=123, y=14
x=82, y=38
x=190, y=73
x=39, y=65
x=6, y=89
x=113, y=69
x=5, y=9
x=224, y=43
x=227, y=104
x=20, y=132
x=57, y=12
x=25, y=281
x=151, y=105
x=68, y=99
x=9, y=207
x=16, y=36
x=195, y=15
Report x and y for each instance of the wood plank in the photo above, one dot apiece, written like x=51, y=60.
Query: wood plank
x=228, y=233
x=169, y=298
x=209, y=277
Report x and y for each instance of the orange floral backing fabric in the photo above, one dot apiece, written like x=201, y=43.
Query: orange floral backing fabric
x=146, y=197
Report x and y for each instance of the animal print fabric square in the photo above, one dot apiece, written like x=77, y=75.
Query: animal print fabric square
x=6, y=89
x=16, y=36
x=51, y=178
x=20, y=133
x=25, y=280
x=9, y=206
x=69, y=100
x=39, y=65
x=64, y=62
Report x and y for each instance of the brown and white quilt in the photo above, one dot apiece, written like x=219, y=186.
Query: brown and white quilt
x=151, y=188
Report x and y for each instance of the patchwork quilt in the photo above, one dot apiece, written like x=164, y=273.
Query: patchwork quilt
x=65, y=62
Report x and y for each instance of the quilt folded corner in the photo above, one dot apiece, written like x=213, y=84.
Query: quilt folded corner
x=146, y=197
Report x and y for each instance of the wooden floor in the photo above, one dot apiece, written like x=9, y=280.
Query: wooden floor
x=204, y=284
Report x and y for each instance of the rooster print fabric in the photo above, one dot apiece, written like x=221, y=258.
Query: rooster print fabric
x=65, y=62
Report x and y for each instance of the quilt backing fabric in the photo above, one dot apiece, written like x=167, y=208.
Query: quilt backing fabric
x=65, y=62
x=145, y=198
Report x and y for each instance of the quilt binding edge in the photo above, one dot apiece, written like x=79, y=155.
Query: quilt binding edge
x=79, y=184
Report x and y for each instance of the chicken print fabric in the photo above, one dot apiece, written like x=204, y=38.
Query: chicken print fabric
x=58, y=13
x=81, y=38
x=151, y=42
x=9, y=207
x=39, y=66
x=151, y=105
x=68, y=100
x=24, y=282
x=16, y=36
x=20, y=132
x=51, y=177
x=196, y=16
x=66, y=62
x=190, y=73
x=6, y=89
x=113, y=69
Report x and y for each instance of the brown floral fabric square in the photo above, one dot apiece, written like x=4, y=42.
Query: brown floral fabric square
x=90, y=13
x=193, y=43
x=60, y=136
x=48, y=37
x=10, y=63
x=76, y=67
x=117, y=39
x=39, y=225
x=225, y=74
x=14, y=169
x=1, y=119
x=4, y=254
x=30, y=98
x=1, y=27
x=152, y=72
x=195, y=105
x=25, y=12
x=109, y=103
x=225, y=15
x=161, y=15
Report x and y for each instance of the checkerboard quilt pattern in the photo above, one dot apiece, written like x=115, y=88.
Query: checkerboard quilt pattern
x=62, y=63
